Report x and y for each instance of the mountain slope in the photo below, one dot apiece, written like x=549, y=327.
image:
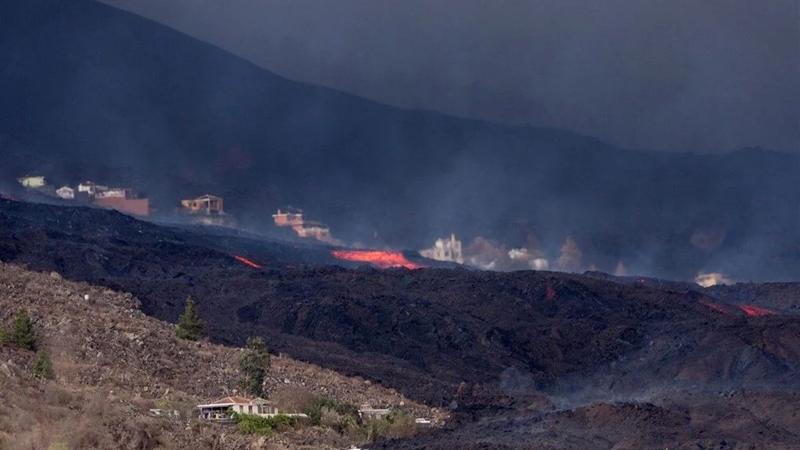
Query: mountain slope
x=90, y=92
x=113, y=364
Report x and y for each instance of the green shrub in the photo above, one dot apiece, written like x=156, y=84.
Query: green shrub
x=190, y=327
x=396, y=425
x=330, y=413
x=21, y=333
x=252, y=424
x=58, y=445
x=42, y=366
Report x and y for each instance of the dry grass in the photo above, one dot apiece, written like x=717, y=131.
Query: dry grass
x=113, y=364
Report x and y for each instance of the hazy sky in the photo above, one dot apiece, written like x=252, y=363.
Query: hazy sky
x=703, y=75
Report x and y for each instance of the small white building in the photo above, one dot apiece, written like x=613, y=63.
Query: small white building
x=33, y=182
x=445, y=249
x=368, y=412
x=224, y=408
x=91, y=188
x=114, y=192
x=66, y=192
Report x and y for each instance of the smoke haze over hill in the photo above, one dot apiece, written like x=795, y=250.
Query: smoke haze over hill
x=669, y=75
x=104, y=95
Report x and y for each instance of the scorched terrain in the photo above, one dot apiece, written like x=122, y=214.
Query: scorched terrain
x=520, y=360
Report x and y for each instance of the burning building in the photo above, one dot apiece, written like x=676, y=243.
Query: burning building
x=445, y=249
x=207, y=209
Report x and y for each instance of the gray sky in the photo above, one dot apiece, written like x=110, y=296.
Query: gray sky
x=704, y=75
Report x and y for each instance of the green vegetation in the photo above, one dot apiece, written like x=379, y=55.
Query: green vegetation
x=344, y=418
x=42, y=366
x=396, y=425
x=21, y=333
x=254, y=365
x=252, y=424
x=332, y=413
x=190, y=327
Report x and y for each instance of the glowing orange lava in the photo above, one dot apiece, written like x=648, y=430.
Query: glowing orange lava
x=380, y=258
x=755, y=311
x=715, y=306
x=247, y=262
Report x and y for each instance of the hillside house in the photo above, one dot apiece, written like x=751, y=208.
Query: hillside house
x=291, y=218
x=91, y=189
x=124, y=200
x=222, y=409
x=207, y=204
x=368, y=412
x=66, y=193
x=314, y=230
x=32, y=182
x=116, y=193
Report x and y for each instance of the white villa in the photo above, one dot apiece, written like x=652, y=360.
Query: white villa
x=32, y=182
x=222, y=409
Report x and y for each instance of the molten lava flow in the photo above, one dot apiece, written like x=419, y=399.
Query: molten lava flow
x=715, y=306
x=247, y=262
x=380, y=258
x=550, y=294
x=755, y=311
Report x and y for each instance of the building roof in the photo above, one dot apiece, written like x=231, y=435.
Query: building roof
x=234, y=400
x=207, y=197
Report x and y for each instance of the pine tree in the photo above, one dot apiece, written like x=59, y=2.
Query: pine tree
x=190, y=326
x=22, y=333
x=42, y=366
x=253, y=365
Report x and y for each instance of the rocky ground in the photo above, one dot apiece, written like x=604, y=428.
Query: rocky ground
x=113, y=364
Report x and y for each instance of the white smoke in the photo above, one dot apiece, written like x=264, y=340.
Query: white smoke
x=540, y=264
x=571, y=259
x=712, y=279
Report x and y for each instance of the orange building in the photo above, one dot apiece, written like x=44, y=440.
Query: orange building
x=288, y=218
x=132, y=206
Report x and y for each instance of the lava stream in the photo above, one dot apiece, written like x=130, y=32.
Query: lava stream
x=715, y=306
x=755, y=311
x=380, y=258
x=247, y=262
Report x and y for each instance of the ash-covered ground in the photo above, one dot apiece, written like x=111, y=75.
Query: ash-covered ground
x=523, y=360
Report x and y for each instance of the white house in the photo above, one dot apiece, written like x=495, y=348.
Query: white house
x=223, y=408
x=66, y=192
x=33, y=182
x=91, y=188
x=368, y=412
